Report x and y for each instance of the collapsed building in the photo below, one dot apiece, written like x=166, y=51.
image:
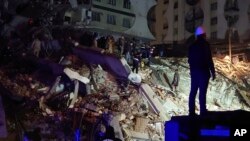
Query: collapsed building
x=91, y=93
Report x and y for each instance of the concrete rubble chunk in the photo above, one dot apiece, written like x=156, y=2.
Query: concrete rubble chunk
x=122, y=117
x=136, y=135
x=140, y=110
x=75, y=76
x=140, y=124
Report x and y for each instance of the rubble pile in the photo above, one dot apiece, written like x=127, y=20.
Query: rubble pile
x=237, y=72
x=225, y=93
x=95, y=99
x=105, y=96
x=22, y=85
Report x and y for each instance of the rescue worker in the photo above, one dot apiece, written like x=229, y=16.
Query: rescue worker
x=201, y=69
x=175, y=81
x=136, y=62
x=150, y=54
x=121, y=45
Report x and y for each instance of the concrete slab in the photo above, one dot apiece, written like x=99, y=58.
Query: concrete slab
x=154, y=102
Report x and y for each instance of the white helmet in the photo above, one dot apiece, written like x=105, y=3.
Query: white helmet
x=199, y=31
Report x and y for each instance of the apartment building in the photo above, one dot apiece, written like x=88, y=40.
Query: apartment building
x=158, y=22
x=127, y=17
x=175, y=20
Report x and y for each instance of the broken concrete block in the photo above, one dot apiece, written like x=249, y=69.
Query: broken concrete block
x=48, y=111
x=122, y=117
x=131, y=117
x=91, y=107
x=141, y=124
x=113, y=97
x=75, y=75
x=118, y=132
x=136, y=135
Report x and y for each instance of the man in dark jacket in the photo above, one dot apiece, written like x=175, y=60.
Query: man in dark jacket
x=201, y=69
x=136, y=62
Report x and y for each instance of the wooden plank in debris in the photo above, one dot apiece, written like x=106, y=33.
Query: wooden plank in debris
x=141, y=124
x=160, y=93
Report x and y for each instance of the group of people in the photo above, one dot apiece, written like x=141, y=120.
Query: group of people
x=130, y=49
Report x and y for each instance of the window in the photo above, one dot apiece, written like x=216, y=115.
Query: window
x=126, y=23
x=126, y=4
x=165, y=25
x=214, y=21
x=164, y=11
x=112, y=2
x=231, y=5
x=214, y=6
x=166, y=1
x=96, y=16
x=176, y=5
x=83, y=2
x=175, y=31
x=79, y=2
x=163, y=36
x=176, y=18
x=111, y=19
x=67, y=18
x=213, y=35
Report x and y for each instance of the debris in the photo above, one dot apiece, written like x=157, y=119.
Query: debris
x=134, y=78
x=74, y=75
x=130, y=134
x=140, y=124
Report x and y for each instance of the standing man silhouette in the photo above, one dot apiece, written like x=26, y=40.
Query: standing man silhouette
x=201, y=69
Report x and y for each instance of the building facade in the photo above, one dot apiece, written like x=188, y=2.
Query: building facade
x=183, y=16
x=127, y=17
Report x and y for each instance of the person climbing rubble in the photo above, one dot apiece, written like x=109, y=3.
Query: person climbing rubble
x=201, y=69
x=176, y=80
